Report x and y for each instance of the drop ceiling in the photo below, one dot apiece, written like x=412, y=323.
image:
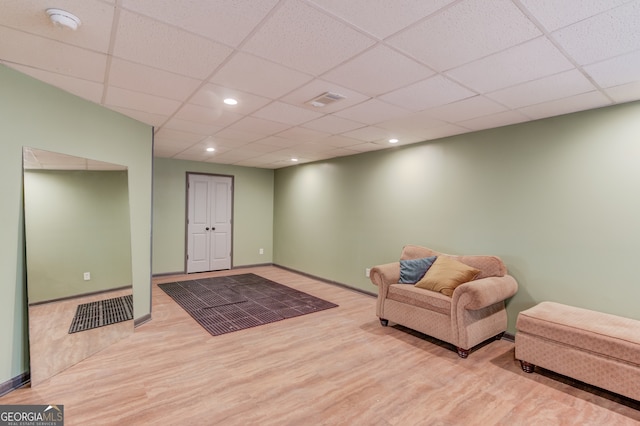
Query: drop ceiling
x=414, y=70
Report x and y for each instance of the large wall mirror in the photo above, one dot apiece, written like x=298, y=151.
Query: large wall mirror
x=78, y=257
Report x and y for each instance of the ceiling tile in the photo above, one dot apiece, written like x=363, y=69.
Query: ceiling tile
x=196, y=152
x=566, y=105
x=185, y=138
x=226, y=21
x=225, y=145
x=142, y=116
x=554, y=14
x=275, y=80
x=367, y=147
x=557, y=86
x=372, y=111
x=365, y=14
x=191, y=126
x=140, y=101
x=231, y=157
x=285, y=113
x=30, y=16
x=262, y=148
x=259, y=126
x=158, y=45
x=625, y=93
x=128, y=75
x=212, y=96
x=85, y=89
x=369, y=134
x=614, y=72
x=317, y=87
x=50, y=55
x=320, y=42
x=412, y=123
x=435, y=91
x=377, y=71
x=170, y=144
x=603, y=36
x=468, y=30
x=529, y=61
x=465, y=109
x=278, y=141
x=167, y=150
x=312, y=148
x=218, y=116
x=332, y=124
x=338, y=141
x=443, y=132
x=238, y=135
x=302, y=133
x=494, y=120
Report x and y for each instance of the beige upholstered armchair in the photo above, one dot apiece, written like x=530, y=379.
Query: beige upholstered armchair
x=463, y=313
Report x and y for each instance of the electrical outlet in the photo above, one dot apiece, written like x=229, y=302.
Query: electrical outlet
x=261, y=251
x=87, y=276
x=367, y=271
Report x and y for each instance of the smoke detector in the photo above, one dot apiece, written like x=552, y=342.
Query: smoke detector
x=62, y=18
x=325, y=99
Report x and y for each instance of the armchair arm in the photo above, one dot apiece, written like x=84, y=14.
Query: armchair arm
x=389, y=273
x=485, y=292
x=383, y=276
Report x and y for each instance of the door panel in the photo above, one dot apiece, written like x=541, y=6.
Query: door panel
x=209, y=223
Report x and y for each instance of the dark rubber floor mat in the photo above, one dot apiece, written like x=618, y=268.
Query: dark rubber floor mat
x=101, y=313
x=225, y=304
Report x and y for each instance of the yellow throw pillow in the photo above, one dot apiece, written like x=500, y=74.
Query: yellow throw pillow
x=446, y=274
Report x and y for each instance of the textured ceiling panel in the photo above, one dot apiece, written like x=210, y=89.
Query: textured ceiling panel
x=320, y=42
x=366, y=14
x=466, y=31
x=155, y=44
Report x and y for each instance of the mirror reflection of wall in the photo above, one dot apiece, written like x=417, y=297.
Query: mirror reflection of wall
x=78, y=253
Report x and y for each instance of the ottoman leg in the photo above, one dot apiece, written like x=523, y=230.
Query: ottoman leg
x=463, y=353
x=527, y=367
x=384, y=322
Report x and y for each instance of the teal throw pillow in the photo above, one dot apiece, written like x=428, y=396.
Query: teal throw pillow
x=412, y=270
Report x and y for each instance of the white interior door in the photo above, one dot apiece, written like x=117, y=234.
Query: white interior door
x=209, y=223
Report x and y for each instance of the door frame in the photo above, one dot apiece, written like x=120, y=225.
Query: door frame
x=186, y=212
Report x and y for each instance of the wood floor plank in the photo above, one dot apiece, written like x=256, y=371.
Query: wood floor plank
x=333, y=367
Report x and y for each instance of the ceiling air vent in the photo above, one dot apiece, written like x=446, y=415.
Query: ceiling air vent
x=325, y=99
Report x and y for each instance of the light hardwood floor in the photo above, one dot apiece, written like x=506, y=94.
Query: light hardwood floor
x=335, y=367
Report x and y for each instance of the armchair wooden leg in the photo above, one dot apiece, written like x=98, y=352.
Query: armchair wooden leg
x=463, y=353
x=384, y=322
x=527, y=367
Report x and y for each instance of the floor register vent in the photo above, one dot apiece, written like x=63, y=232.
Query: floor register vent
x=101, y=313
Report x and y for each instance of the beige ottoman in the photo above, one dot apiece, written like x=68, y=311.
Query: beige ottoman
x=600, y=349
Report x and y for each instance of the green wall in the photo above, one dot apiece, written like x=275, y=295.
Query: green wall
x=556, y=199
x=252, y=213
x=37, y=115
x=75, y=222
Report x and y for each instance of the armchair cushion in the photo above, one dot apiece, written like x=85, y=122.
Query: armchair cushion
x=446, y=274
x=412, y=270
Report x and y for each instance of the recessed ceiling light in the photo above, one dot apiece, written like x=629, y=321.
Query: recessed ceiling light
x=62, y=18
x=394, y=140
x=210, y=149
x=294, y=159
x=230, y=101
